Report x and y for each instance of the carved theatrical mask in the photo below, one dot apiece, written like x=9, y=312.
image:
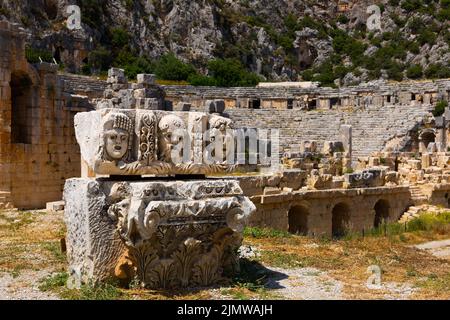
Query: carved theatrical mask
x=116, y=137
x=116, y=141
x=170, y=136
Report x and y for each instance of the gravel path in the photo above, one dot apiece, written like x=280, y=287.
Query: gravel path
x=24, y=286
x=304, y=284
x=440, y=249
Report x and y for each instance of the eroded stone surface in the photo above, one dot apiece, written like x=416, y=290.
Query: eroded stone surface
x=143, y=142
x=165, y=233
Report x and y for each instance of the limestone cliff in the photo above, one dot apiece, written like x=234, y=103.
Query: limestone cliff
x=277, y=39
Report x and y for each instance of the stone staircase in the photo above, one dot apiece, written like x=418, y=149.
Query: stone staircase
x=372, y=127
x=417, y=210
x=418, y=197
x=84, y=85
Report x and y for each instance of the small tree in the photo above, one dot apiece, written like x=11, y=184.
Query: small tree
x=415, y=71
x=440, y=107
x=170, y=67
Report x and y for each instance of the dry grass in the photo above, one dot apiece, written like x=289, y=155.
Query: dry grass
x=348, y=260
x=30, y=241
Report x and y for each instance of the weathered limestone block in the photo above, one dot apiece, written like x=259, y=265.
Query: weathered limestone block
x=366, y=178
x=163, y=233
x=144, y=142
x=294, y=179
x=93, y=245
x=330, y=147
x=319, y=181
x=146, y=79
x=415, y=164
x=392, y=178
x=215, y=106
x=116, y=76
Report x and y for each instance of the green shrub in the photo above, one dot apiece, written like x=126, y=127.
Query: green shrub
x=231, y=73
x=427, y=36
x=414, y=72
x=444, y=15
x=92, y=11
x=255, y=232
x=119, y=37
x=169, y=67
x=411, y=5
x=201, y=80
x=398, y=20
x=395, y=72
x=307, y=75
x=343, y=19
x=53, y=282
x=427, y=222
x=436, y=71
x=33, y=54
x=439, y=108
x=413, y=47
x=100, y=59
x=416, y=25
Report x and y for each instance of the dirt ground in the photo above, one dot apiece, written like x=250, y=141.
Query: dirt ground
x=411, y=266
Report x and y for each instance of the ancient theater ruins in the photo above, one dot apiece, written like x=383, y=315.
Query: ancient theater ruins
x=350, y=158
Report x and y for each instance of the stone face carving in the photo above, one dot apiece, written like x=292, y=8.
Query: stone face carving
x=144, y=142
x=117, y=135
x=162, y=233
x=177, y=233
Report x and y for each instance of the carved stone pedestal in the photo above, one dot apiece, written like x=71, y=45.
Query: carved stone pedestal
x=162, y=233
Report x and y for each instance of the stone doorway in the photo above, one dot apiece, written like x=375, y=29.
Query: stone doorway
x=298, y=220
x=340, y=220
x=21, y=107
x=425, y=139
x=381, y=212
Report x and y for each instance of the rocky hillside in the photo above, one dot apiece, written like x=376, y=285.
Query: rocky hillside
x=327, y=41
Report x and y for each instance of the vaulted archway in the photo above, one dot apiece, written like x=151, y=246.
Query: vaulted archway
x=298, y=220
x=381, y=212
x=340, y=219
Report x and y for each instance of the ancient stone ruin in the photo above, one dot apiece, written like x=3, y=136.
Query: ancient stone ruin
x=164, y=232
x=349, y=159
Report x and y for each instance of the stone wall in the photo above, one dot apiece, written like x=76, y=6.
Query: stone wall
x=286, y=202
x=378, y=113
x=403, y=93
x=372, y=128
x=38, y=151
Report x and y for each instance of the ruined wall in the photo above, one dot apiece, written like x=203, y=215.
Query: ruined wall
x=319, y=205
x=371, y=128
x=379, y=113
x=38, y=149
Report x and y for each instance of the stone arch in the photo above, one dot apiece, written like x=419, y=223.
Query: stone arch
x=298, y=219
x=426, y=137
x=382, y=212
x=340, y=219
x=21, y=86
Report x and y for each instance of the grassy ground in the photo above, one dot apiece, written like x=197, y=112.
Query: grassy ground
x=30, y=241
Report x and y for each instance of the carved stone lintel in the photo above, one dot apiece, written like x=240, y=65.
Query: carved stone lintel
x=149, y=142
